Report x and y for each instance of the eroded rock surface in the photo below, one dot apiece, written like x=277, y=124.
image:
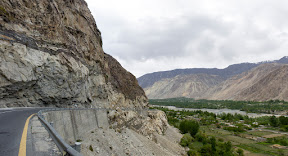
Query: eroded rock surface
x=147, y=123
x=51, y=55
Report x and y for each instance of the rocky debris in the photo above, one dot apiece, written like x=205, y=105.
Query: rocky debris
x=51, y=55
x=128, y=142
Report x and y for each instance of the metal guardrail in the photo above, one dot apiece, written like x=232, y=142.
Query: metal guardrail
x=65, y=148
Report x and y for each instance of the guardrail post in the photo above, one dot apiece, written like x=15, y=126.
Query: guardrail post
x=52, y=124
x=78, y=146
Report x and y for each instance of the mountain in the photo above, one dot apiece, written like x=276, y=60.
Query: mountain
x=265, y=82
x=149, y=79
x=51, y=55
x=210, y=83
x=193, y=85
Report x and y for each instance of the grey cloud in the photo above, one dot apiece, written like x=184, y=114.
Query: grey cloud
x=194, y=34
x=167, y=38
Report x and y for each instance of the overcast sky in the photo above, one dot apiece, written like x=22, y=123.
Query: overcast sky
x=155, y=35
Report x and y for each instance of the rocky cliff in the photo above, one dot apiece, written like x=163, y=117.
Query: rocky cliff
x=51, y=55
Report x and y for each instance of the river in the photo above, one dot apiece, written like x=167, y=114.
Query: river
x=218, y=111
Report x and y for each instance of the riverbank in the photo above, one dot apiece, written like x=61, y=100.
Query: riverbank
x=220, y=111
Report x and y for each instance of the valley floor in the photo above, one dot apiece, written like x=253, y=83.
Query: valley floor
x=252, y=142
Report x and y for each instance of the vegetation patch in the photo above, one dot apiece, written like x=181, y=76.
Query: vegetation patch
x=2, y=10
x=259, y=133
x=210, y=134
x=91, y=148
x=248, y=106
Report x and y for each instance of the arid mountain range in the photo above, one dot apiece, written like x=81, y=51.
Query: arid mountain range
x=246, y=81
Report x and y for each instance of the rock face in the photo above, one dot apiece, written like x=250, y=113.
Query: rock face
x=51, y=55
x=148, y=124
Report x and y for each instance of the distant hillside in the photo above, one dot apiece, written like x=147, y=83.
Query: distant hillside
x=265, y=82
x=210, y=83
x=183, y=86
x=148, y=80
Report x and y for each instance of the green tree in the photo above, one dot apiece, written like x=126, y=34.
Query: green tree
x=274, y=121
x=206, y=150
x=283, y=120
x=189, y=126
x=227, y=146
x=213, y=144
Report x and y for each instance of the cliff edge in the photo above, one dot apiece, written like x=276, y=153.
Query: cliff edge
x=51, y=55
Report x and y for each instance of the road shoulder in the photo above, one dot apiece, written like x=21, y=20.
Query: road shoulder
x=39, y=143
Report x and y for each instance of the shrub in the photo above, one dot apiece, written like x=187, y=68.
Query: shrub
x=200, y=137
x=206, y=150
x=220, y=140
x=284, y=128
x=192, y=153
x=240, y=152
x=91, y=148
x=186, y=140
x=228, y=146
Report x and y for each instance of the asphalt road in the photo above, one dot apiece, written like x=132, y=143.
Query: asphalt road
x=12, y=121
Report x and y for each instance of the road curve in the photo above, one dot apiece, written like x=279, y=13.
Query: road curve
x=12, y=121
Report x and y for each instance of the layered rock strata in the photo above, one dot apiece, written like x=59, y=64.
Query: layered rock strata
x=51, y=55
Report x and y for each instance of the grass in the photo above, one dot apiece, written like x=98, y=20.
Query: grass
x=272, y=128
x=214, y=131
x=244, y=143
x=197, y=144
x=259, y=133
x=257, y=148
x=239, y=140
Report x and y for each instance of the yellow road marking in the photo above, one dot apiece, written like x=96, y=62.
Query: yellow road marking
x=22, y=148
